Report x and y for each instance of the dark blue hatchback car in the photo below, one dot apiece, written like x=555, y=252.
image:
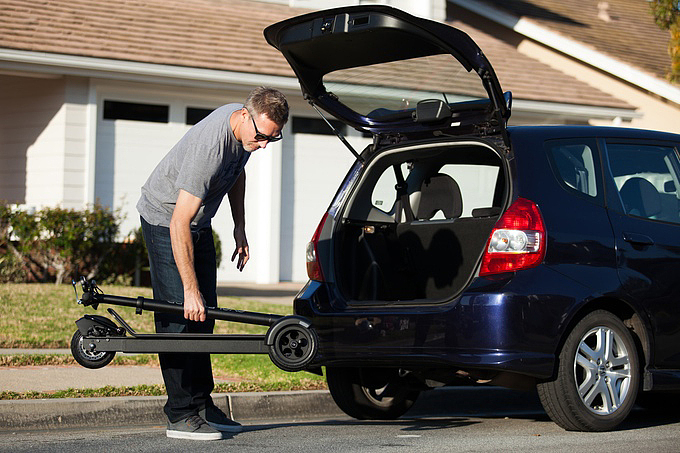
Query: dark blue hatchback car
x=460, y=248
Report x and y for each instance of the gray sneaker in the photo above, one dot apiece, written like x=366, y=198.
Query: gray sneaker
x=219, y=420
x=192, y=427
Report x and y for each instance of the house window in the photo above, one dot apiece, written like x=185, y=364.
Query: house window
x=133, y=111
x=317, y=126
x=196, y=114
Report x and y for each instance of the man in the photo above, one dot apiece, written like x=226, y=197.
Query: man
x=176, y=207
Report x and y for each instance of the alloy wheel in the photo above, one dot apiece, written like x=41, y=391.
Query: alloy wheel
x=602, y=370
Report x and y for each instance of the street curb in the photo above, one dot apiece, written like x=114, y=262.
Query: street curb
x=60, y=413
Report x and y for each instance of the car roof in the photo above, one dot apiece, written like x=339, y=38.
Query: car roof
x=546, y=132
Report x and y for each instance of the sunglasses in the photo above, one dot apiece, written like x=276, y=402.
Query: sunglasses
x=259, y=136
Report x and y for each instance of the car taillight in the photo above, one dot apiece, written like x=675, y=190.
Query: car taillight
x=518, y=240
x=313, y=268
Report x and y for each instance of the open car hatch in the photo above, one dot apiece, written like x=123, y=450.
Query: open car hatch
x=381, y=70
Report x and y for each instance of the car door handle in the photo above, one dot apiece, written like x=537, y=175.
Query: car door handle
x=637, y=239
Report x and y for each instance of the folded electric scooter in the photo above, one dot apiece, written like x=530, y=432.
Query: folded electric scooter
x=291, y=342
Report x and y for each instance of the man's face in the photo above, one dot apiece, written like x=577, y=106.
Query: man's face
x=259, y=131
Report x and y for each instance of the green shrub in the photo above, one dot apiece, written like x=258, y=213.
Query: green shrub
x=54, y=243
x=218, y=247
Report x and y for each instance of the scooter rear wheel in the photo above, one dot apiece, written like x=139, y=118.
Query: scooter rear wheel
x=292, y=343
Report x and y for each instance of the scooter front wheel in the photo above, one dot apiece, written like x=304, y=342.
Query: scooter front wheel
x=88, y=356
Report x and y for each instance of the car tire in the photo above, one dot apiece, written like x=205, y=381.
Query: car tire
x=370, y=394
x=597, y=378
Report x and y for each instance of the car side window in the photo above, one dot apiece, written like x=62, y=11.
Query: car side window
x=646, y=177
x=574, y=165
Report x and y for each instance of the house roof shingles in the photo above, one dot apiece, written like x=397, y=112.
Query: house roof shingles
x=201, y=33
x=622, y=29
x=221, y=35
x=531, y=80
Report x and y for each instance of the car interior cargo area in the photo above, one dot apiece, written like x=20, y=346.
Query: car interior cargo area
x=418, y=223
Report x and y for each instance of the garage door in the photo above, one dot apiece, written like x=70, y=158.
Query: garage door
x=132, y=137
x=314, y=165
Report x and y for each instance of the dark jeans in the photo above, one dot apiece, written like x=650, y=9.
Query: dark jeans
x=188, y=376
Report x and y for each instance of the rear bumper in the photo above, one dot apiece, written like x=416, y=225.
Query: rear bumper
x=489, y=327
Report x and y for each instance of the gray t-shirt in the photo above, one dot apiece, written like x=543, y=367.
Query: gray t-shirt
x=206, y=162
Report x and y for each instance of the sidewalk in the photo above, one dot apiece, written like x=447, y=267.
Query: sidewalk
x=74, y=412
x=39, y=414
x=247, y=408
x=148, y=410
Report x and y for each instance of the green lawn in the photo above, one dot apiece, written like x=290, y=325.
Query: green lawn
x=44, y=315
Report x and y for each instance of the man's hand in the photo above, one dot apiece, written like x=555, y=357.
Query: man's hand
x=194, y=306
x=241, y=248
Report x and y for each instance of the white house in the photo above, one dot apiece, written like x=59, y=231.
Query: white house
x=94, y=92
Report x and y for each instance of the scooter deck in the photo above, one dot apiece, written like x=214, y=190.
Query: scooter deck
x=180, y=342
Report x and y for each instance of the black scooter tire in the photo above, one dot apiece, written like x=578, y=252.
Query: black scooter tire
x=87, y=358
x=292, y=343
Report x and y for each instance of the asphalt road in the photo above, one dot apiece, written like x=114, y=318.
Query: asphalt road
x=428, y=434
x=479, y=425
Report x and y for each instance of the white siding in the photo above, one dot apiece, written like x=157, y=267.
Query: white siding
x=313, y=168
x=75, y=142
x=46, y=150
x=42, y=141
x=31, y=140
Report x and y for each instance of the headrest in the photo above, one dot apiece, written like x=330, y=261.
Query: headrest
x=640, y=197
x=440, y=192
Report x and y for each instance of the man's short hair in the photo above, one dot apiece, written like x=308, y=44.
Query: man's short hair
x=269, y=101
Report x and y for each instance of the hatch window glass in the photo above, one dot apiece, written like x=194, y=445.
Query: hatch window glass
x=646, y=178
x=387, y=91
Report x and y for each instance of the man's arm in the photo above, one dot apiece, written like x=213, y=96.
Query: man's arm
x=183, y=250
x=237, y=202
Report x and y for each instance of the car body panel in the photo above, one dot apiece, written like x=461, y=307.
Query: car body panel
x=490, y=326
x=512, y=322
x=597, y=257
